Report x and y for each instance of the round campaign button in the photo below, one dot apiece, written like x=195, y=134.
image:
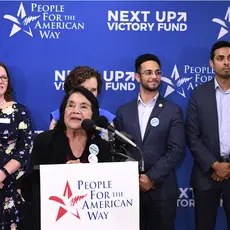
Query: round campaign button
x=92, y=158
x=154, y=122
x=93, y=149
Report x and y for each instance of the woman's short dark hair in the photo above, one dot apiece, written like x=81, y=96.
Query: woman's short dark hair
x=80, y=74
x=85, y=92
x=8, y=96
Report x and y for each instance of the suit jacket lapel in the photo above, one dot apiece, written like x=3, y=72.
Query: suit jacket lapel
x=136, y=125
x=156, y=110
x=213, y=113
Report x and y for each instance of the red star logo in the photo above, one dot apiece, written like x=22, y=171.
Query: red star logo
x=73, y=200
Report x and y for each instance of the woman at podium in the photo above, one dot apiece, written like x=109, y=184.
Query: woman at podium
x=67, y=143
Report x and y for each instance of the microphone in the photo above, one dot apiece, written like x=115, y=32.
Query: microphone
x=103, y=122
x=89, y=126
x=121, y=141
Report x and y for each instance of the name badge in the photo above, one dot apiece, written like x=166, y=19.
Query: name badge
x=154, y=122
x=5, y=120
x=92, y=158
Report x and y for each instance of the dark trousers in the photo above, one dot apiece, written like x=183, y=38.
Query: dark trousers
x=207, y=202
x=157, y=214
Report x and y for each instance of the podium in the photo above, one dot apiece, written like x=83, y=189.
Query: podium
x=102, y=196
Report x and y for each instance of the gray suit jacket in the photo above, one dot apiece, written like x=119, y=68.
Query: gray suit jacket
x=202, y=134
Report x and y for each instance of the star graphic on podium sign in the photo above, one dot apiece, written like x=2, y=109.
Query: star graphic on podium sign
x=72, y=200
x=18, y=25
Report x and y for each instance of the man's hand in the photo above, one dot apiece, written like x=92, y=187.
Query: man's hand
x=145, y=183
x=222, y=169
x=216, y=177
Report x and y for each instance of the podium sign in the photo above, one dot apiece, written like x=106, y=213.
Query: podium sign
x=103, y=196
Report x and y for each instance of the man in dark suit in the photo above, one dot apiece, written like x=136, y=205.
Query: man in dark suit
x=208, y=136
x=158, y=129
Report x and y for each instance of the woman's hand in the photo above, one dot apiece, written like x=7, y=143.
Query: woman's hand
x=2, y=176
x=73, y=162
x=1, y=185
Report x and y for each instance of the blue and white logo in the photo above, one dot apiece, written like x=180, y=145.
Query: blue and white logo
x=183, y=82
x=224, y=24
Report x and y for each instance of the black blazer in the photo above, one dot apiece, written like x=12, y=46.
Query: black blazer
x=163, y=146
x=52, y=147
x=203, y=134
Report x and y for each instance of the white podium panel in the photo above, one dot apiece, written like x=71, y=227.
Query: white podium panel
x=103, y=196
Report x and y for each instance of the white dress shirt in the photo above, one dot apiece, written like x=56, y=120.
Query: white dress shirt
x=144, y=112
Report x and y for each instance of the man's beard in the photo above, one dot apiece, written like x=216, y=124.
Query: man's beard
x=150, y=89
x=224, y=75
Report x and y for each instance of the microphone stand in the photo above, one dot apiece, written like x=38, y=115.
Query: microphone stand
x=112, y=148
x=115, y=153
x=142, y=163
x=127, y=156
x=122, y=136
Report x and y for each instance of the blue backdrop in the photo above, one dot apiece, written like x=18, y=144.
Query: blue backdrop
x=41, y=41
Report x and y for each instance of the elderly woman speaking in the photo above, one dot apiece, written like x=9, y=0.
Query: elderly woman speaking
x=67, y=143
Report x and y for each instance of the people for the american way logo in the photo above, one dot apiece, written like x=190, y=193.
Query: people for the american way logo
x=175, y=83
x=21, y=21
x=224, y=29
x=68, y=203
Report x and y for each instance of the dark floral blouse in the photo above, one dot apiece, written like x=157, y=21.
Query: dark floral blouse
x=16, y=139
